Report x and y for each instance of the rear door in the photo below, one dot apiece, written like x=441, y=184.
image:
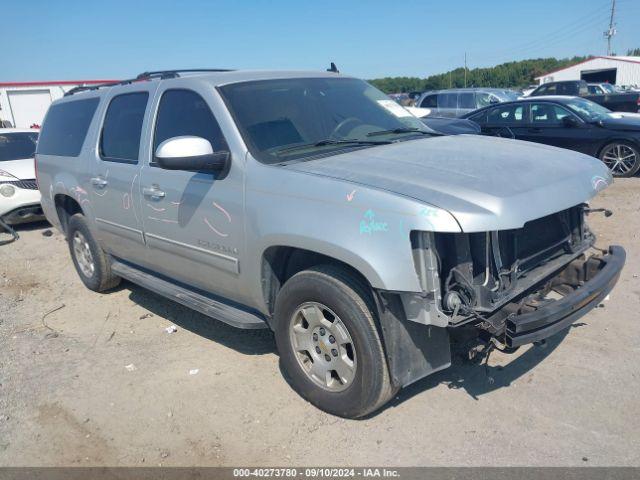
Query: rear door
x=193, y=221
x=115, y=183
x=508, y=121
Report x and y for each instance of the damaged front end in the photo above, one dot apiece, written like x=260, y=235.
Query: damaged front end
x=513, y=287
x=517, y=286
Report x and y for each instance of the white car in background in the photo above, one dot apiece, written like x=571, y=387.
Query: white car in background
x=19, y=195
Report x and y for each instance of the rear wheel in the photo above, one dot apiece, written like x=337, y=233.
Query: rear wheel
x=622, y=158
x=91, y=262
x=329, y=344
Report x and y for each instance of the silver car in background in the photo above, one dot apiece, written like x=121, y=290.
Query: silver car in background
x=456, y=102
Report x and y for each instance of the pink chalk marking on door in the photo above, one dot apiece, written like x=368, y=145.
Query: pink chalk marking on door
x=214, y=229
x=156, y=208
x=223, y=211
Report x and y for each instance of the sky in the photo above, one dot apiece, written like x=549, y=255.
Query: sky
x=83, y=40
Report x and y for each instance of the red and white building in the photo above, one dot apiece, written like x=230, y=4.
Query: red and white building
x=24, y=104
x=615, y=70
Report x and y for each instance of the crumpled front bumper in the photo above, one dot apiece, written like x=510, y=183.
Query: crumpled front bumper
x=551, y=319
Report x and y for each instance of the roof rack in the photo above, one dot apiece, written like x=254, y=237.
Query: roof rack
x=176, y=73
x=160, y=74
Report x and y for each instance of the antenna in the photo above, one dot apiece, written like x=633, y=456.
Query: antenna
x=612, y=28
x=333, y=68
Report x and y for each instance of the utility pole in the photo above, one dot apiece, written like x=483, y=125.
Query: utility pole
x=465, y=68
x=612, y=29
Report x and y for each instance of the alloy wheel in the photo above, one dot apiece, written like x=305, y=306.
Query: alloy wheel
x=620, y=158
x=323, y=346
x=83, y=255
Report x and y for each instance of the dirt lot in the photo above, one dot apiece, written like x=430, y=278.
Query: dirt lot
x=68, y=398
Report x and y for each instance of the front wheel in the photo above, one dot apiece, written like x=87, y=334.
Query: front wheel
x=329, y=344
x=622, y=158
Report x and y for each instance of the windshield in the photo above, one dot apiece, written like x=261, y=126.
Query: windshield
x=297, y=118
x=588, y=110
x=18, y=145
x=608, y=88
x=508, y=96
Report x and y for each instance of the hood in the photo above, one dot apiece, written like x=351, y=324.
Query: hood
x=21, y=169
x=623, y=121
x=486, y=183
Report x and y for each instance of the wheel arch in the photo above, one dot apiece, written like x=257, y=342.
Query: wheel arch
x=281, y=262
x=609, y=141
x=66, y=206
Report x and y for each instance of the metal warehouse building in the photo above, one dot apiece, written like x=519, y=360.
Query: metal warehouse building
x=614, y=70
x=23, y=104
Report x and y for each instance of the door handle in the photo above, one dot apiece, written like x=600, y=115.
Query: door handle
x=99, y=182
x=153, y=192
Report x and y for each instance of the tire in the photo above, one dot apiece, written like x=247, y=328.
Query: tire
x=84, y=249
x=336, y=293
x=621, y=149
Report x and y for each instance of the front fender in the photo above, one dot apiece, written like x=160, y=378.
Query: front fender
x=365, y=228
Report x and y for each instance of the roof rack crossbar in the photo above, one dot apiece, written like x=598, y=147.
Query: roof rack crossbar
x=176, y=73
x=161, y=74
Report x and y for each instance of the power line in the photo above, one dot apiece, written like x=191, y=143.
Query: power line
x=578, y=25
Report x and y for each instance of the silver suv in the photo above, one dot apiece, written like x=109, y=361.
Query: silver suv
x=313, y=205
x=456, y=102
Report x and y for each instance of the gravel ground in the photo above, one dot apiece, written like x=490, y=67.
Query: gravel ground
x=98, y=381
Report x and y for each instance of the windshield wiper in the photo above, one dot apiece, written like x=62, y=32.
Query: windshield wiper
x=330, y=141
x=398, y=130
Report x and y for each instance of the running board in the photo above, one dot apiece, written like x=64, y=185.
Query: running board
x=196, y=301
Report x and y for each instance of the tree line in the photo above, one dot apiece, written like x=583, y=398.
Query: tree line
x=511, y=74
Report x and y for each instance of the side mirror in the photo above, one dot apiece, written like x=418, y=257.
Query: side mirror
x=190, y=153
x=569, y=121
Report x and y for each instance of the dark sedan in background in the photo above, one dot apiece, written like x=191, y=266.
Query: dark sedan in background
x=568, y=122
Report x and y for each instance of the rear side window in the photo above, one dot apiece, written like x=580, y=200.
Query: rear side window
x=65, y=127
x=120, y=139
x=430, y=101
x=448, y=100
x=546, y=90
x=466, y=100
x=184, y=112
x=565, y=89
x=17, y=145
x=506, y=114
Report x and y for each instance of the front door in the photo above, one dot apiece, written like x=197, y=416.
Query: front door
x=114, y=185
x=193, y=221
x=548, y=126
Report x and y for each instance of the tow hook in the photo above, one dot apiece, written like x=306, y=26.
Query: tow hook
x=607, y=212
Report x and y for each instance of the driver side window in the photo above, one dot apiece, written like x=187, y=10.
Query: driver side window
x=546, y=114
x=184, y=112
